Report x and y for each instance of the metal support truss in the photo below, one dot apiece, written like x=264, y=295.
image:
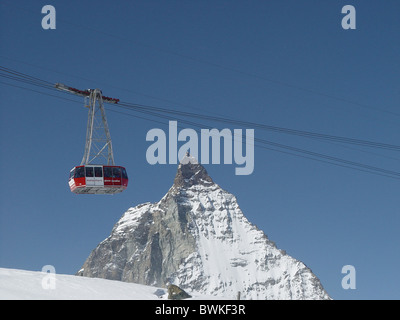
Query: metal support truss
x=98, y=147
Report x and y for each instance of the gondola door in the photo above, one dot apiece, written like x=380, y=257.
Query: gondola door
x=98, y=176
x=94, y=176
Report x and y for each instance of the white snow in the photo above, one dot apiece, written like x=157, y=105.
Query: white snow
x=130, y=219
x=233, y=255
x=35, y=285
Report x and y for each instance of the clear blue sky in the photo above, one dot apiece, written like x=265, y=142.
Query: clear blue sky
x=282, y=63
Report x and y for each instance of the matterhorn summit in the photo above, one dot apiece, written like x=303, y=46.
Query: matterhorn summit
x=197, y=237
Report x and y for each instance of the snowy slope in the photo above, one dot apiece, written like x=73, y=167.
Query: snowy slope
x=27, y=285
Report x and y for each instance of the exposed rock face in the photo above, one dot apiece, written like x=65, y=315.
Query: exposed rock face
x=197, y=237
x=176, y=293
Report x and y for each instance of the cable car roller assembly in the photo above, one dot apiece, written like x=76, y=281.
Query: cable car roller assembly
x=97, y=173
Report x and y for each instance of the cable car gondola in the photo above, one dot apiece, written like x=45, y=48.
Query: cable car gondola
x=98, y=179
x=91, y=177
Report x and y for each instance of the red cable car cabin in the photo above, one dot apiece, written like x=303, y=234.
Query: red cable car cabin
x=98, y=179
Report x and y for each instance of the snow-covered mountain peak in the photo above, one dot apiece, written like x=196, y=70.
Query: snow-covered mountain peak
x=190, y=173
x=198, y=238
